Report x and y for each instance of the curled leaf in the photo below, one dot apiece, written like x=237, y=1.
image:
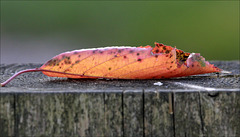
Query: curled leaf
x=146, y=62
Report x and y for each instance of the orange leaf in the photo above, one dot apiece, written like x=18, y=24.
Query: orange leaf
x=125, y=63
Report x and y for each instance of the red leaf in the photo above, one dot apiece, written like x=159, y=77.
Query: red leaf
x=125, y=63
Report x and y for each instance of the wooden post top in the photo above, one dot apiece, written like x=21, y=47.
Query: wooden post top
x=38, y=83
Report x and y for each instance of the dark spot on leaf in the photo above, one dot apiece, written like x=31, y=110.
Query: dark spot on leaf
x=67, y=70
x=157, y=51
x=48, y=63
x=124, y=56
x=166, y=55
x=52, y=62
x=171, y=61
x=192, y=65
x=171, y=55
x=79, y=56
x=164, y=47
x=77, y=61
x=138, y=54
x=139, y=60
x=170, y=66
x=131, y=51
x=67, y=61
x=100, y=51
x=156, y=56
x=115, y=56
x=109, y=68
x=159, y=45
x=167, y=51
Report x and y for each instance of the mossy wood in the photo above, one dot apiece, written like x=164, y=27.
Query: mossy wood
x=36, y=105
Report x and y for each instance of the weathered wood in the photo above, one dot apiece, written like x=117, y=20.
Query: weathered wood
x=7, y=115
x=69, y=114
x=39, y=110
x=202, y=114
x=36, y=105
x=113, y=110
x=157, y=119
x=133, y=113
x=84, y=114
x=187, y=119
x=221, y=118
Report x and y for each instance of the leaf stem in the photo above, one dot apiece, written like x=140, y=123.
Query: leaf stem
x=20, y=72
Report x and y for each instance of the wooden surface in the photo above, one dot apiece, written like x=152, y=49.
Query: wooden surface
x=36, y=105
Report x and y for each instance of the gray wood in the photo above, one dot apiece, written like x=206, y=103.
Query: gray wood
x=221, y=114
x=187, y=118
x=113, y=110
x=84, y=114
x=133, y=113
x=203, y=114
x=39, y=114
x=158, y=120
x=36, y=105
x=7, y=115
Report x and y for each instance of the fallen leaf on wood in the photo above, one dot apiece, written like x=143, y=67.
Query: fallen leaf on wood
x=159, y=62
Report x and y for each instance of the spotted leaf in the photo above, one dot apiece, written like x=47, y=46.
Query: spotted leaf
x=146, y=62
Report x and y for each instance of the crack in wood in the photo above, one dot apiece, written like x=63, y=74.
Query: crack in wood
x=123, y=128
x=201, y=113
x=143, y=112
x=173, y=115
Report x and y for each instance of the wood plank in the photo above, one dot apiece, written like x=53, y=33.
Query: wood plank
x=187, y=117
x=7, y=115
x=39, y=114
x=157, y=118
x=84, y=114
x=133, y=113
x=203, y=114
x=113, y=114
x=221, y=114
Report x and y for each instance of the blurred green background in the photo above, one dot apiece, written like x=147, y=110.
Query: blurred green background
x=37, y=31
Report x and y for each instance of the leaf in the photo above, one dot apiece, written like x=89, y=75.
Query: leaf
x=125, y=63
